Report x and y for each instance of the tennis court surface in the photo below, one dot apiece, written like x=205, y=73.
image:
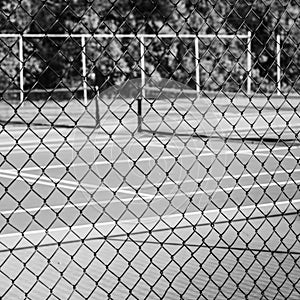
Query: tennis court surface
x=131, y=199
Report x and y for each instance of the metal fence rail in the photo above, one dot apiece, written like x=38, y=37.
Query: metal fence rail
x=149, y=150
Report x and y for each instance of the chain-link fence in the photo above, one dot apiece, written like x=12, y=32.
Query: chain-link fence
x=149, y=149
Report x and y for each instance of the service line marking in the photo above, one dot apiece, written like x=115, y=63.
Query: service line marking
x=147, y=197
x=146, y=220
x=62, y=183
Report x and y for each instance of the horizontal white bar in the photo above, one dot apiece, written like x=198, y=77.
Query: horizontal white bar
x=129, y=35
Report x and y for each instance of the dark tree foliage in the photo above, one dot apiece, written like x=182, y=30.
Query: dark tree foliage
x=56, y=62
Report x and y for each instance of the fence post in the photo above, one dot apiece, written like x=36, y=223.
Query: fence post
x=84, y=72
x=278, y=53
x=249, y=64
x=139, y=113
x=197, y=62
x=143, y=70
x=21, y=64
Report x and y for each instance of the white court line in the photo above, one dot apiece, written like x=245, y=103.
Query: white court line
x=56, y=182
x=51, y=179
x=63, y=145
x=155, y=197
x=245, y=151
x=40, y=182
x=43, y=180
x=243, y=187
x=240, y=118
x=145, y=220
x=39, y=146
x=32, y=141
x=66, y=146
x=220, y=177
x=214, y=191
x=110, y=162
x=287, y=156
x=52, y=207
x=69, y=139
x=206, y=153
x=62, y=183
x=155, y=144
x=70, y=146
x=265, y=149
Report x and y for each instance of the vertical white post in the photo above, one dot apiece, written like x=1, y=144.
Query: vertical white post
x=278, y=52
x=249, y=64
x=84, y=72
x=21, y=64
x=197, y=62
x=143, y=70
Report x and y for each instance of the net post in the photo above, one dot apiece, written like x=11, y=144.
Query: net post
x=139, y=113
x=84, y=72
x=249, y=66
x=278, y=52
x=197, y=62
x=21, y=64
x=97, y=109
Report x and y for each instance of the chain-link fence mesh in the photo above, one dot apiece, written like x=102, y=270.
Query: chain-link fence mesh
x=149, y=149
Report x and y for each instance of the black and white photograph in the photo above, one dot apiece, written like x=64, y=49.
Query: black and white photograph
x=149, y=149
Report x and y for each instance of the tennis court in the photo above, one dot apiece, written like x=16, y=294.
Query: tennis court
x=118, y=190
x=149, y=150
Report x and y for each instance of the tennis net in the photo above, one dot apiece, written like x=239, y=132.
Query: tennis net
x=57, y=107
x=161, y=108
x=177, y=111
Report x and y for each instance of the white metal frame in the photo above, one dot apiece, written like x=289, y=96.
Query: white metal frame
x=249, y=63
x=196, y=38
x=141, y=38
x=21, y=62
x=84, y=70
x=278, y=62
